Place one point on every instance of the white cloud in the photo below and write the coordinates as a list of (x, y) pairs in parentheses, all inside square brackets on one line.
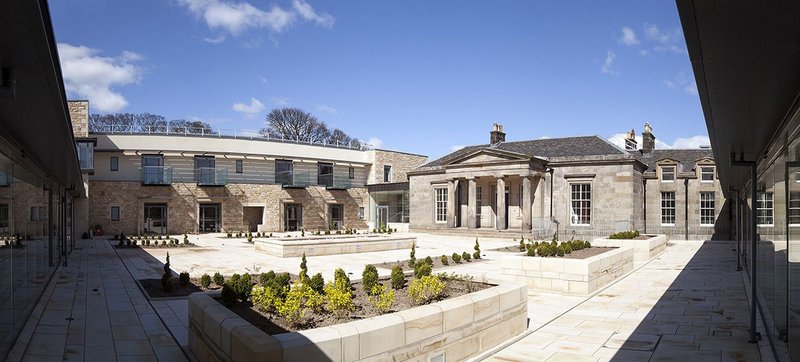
[(456, 148), (88, 75), (280, 100), (375, 142), (251, 109), (608, 64), (664, 41), (681, 81), (326, 109), (215, 40), (628, 37), (644, 52), (308, 13), (680, 142)]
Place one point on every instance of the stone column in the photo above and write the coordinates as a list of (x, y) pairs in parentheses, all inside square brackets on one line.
[(472, 205), (451, 203), (526, 203), (501, 203)]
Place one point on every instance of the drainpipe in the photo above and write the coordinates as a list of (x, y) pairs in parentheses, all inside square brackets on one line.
[(686, 208), (550, 171), (753, 226), (644, 203)]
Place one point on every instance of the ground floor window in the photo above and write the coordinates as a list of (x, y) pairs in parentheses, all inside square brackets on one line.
[(478, 202), (293, 217), (668, 208), (765, 209), (440, 204), (336, 217), (707, 208), (114, 213), (210, 217), (155, 218), (361, 212), (794, 208), (581, 204)]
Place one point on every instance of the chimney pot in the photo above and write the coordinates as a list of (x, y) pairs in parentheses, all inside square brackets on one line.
[(497, 135), (648, 139)]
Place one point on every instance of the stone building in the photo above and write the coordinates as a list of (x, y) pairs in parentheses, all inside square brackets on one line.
[(575, 186), (190, 182)]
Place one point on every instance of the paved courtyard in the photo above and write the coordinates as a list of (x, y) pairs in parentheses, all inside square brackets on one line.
[(687, 303)]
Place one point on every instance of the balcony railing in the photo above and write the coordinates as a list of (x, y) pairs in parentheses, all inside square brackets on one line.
[(156, 175), (292, 179), (211, 176), (339, 183)]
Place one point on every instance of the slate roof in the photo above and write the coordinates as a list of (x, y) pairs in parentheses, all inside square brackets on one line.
[(550, 148), (686, 157)]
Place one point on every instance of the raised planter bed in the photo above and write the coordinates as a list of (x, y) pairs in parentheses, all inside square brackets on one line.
[(568, 275), (332, 244), (645, 247), (456, 328)]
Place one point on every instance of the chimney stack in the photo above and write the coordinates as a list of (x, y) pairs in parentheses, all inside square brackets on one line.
[(497, 135), (630, 141), (648, 140)]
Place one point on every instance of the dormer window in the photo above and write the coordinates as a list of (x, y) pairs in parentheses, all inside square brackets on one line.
[(707, 173), (668, 173)]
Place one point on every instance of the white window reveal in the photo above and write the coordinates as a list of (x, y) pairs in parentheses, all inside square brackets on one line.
[(668, 173), (707, 211), (668, 208), (765, 208), (440, 204), (707, 174), (581, 204)]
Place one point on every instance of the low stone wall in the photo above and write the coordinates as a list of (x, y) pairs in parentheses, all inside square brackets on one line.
[(569, 276), (457, 328), (643, 250), (332, 244)]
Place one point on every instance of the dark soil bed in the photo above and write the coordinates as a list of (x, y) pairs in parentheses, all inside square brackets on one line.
[(644, 237), (274, 324), (437, 263), (508, 249), (154, 290), (587, 253)]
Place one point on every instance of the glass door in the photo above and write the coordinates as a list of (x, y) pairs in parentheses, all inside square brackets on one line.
[(155, 218), (210, 217), (382, 216), (293, 217), (336, 217)]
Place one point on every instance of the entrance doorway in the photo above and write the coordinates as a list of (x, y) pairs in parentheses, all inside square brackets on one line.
[(252, 216), (155, 218), (336, 217), (293, 217), (210, 218), (382, 216)]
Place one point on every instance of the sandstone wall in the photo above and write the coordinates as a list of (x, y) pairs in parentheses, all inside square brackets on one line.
[(401, 164), (79, 115)]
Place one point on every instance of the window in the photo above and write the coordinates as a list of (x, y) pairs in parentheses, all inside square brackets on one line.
[(520, 200), (478, 202), (5, 179), (283, 172), (114, 163), (764, 209), (239, 166), (351, 173), (581, 203), (707, 208), (37, 213), (114, 213), (440, 204), (86, 154), (668, 208), (707, 174), (361, 213), (325, 174), (667, 173), (387, 173), (152, 169), (794, 208)]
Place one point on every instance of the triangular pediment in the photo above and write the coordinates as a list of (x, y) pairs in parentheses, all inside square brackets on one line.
[(488, 156)]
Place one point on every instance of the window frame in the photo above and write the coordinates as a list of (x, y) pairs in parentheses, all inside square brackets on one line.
[(440, 198), (478, 202), (674, 172), (119, 211), (702, 173), (771, 210), (388, 176), (113, 163), (85, 147), (325, 179), (37, 213), (289, 176), (351, 172), (239, 166), (667, 207), (582, 202), (703, 206), (795, 208)]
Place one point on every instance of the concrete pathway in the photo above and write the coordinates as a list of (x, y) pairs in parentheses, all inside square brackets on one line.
[(96, 312), (686, 305)]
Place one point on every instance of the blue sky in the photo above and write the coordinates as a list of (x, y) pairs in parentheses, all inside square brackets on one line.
[(417, 76)]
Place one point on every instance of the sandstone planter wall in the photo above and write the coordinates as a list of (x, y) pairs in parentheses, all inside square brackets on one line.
[(328, 245), (458, 328), (569, 276), (643, 250)]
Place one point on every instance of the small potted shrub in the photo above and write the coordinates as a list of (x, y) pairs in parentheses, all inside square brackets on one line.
[(456, 258), (444, 260), (465, 255), (205, 281), (183, 279), (398, 277)]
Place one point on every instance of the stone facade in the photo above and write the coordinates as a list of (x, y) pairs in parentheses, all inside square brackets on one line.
[(79, 114), (183, 199), (401, 163)]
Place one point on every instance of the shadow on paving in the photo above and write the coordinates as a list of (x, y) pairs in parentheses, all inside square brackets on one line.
[(702, 316)]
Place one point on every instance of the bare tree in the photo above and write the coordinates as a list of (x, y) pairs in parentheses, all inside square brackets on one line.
[(298, 125), (145, 123), (190, 127)]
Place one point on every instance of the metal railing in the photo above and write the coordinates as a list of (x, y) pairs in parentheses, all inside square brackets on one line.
[(295, 179), (156, 175), (211, 176), (219, 133)]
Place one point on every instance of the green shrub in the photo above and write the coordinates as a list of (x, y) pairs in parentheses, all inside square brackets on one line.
[(205, 281), (428, 260), (280, 283), (531, 252), (303, 268), (412, 260), (183, 279), (426, 289), (522, 245), (249, 237), (381, 298), (477, 247), (456, 258), (264, 298), (422, 269), (398, 277), (218, 279), (633, 234), (339, 274), (369, 277), (265, 278), (166, 278), (317, 283), (339, 298), (465, 255), (228, 296), (444, 260)]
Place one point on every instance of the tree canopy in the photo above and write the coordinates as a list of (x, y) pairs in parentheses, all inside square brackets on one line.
[(298, 125), (145, 123)]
